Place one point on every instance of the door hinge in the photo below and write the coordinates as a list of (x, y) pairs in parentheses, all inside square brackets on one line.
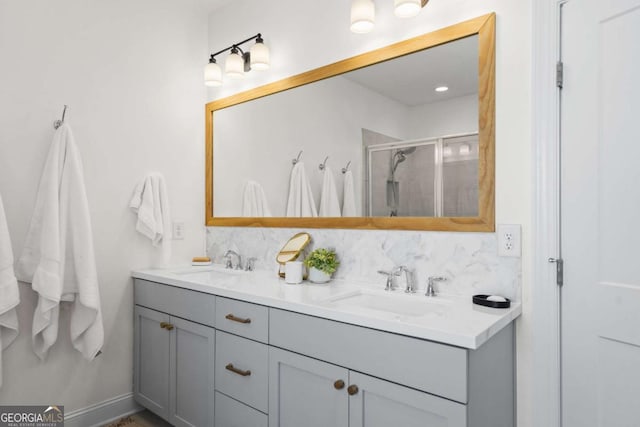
[(559, 74), (559, 262)]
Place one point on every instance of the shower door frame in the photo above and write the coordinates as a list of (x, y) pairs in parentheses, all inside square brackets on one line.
[(438, 182)]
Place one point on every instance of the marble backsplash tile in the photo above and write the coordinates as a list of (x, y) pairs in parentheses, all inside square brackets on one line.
[(469, 260)]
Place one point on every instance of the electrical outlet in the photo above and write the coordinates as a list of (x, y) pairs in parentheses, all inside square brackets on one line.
[(178, 230), (509, 240)]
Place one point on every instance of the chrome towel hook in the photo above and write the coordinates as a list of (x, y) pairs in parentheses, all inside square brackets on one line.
[(322, 165), (346, 168), (59, 123), (297, 159)]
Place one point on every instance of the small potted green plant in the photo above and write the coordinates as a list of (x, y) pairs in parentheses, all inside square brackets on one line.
[(322, 263)]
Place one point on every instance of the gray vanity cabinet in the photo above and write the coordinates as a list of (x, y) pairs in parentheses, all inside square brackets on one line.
[(306, 392), (174, 357), (151, 358)]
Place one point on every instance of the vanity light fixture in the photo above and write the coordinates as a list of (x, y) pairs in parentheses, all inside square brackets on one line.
[(408, 8), (238, 62), (363, 12), (442, 89), (363, 16)]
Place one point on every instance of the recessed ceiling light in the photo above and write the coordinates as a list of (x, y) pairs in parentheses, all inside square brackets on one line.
[(442, 89)]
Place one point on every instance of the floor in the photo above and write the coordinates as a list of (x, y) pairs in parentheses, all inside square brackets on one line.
[(140, 419)]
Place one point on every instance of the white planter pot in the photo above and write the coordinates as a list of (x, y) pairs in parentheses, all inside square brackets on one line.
[(318, 276)]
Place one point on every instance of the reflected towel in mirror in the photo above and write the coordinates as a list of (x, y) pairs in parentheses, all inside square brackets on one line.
[(9, 294), (329, 204), (300, 201), (349, 195), (254, 201)]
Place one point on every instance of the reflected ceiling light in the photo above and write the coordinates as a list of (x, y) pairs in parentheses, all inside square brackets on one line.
[(363, 16), (238, 62), (465, 149), (442, 89), (447, 151), (408, 8)]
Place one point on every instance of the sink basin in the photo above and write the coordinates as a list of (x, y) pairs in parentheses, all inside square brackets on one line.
[(384, 303), (209, 274)]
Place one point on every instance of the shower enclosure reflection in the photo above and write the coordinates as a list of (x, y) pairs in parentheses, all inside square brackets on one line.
[(428, 177)]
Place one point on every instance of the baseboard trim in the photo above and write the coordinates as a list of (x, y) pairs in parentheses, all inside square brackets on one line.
[(102, 413)]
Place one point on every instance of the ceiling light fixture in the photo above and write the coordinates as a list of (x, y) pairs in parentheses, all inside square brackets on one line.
[(442, 89), (363, 16), (408, 8), (238, 62)]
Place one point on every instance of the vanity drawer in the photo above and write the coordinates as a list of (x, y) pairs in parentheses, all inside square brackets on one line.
[(243, 318), (231, 413), (424, 365), (242, 370), (192, 305)]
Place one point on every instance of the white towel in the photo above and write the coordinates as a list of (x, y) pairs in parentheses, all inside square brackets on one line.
[(349, 196), (151, 203), (9, 294), (329, 204), (254, 201), (300, 202), (58, 258)]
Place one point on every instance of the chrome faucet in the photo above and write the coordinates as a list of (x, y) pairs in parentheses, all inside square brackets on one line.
[(229, 263), (431, 291), (389, 286), (248, 264), (408, 277)]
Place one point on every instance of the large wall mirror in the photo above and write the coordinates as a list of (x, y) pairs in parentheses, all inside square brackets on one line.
[(397, 138)]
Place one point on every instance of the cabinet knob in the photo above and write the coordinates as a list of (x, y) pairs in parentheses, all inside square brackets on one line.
[(166, 325), (237, 319), (338, 385), (352, 389)]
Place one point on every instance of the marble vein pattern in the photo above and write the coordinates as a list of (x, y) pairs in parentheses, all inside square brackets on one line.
[(469, 261)]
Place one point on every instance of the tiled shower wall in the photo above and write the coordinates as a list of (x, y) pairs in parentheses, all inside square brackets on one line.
[(469, 260)]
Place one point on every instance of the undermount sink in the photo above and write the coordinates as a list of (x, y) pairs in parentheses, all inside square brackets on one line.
[(208, 273), (398, 304)]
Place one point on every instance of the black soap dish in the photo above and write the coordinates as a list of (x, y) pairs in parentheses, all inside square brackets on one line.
[(485, 301)]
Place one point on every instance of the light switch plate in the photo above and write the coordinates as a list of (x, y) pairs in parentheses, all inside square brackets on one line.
[(509, 240), (178, 230)]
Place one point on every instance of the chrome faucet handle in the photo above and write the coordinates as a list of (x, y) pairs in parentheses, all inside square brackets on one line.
[(248, 266), (389, 286), (431, 291)]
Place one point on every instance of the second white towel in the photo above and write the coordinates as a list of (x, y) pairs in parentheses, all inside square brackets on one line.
[(349, 196), (9, 294), (254, 201), (329, 204)]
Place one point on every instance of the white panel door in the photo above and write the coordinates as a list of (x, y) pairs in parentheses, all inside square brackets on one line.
[(600, 213)]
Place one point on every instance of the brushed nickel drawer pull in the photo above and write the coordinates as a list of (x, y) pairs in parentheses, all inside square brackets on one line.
[(166, 325), (230, 367), (237, 319)]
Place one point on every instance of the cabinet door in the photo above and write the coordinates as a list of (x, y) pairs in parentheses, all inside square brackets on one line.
[(302, 392), (151, 360), (379, 403), (191, 373)]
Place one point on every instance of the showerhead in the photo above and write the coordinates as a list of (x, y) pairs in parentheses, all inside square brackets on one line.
[(400, 156), (408, 150)]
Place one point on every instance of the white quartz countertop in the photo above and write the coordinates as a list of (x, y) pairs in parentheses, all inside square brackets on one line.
[(447, 319)]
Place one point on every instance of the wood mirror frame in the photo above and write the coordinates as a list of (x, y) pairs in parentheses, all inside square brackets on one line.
[(484, 27)]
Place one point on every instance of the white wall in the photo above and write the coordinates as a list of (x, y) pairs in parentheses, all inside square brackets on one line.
[(131, 72), (452, 116), (305, 35)]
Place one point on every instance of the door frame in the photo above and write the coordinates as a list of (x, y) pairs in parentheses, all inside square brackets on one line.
[(546, 308)]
